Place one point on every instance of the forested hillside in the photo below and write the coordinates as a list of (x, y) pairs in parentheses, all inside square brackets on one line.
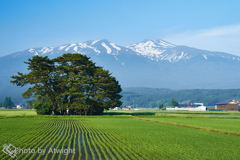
[(152, 97), (142, 97)]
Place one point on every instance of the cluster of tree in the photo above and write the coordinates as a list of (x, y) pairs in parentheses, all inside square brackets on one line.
[(71, 83), (7, 103), (172, 103)]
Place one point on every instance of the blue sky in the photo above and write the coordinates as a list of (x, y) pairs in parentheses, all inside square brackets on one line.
[(206, 24)]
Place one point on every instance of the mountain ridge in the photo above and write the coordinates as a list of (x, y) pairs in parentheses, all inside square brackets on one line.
[(177, 67), (158, 50)]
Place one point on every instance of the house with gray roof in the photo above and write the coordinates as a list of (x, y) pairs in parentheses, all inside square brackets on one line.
[(228, 105)]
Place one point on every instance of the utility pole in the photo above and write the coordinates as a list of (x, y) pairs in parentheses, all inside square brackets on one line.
[(133, 103)]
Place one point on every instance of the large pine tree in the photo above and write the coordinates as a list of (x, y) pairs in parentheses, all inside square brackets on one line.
[(71, 83)]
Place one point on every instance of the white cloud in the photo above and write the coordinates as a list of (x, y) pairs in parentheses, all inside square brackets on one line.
[(223, 39)]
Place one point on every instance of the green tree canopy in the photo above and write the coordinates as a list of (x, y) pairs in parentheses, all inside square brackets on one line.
[(43, 108), (161, 106), (173, 102), (71, 83)]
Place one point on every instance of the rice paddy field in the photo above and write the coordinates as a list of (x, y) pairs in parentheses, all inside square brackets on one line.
[(130, 135), (14, 112)]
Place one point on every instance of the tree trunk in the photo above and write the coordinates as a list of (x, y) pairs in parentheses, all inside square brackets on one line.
[(91, 110), (69, 101)]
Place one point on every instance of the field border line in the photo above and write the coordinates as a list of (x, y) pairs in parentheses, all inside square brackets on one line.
[(192, 127)]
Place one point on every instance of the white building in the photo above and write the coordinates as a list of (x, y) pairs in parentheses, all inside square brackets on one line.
[(199, 108), (20, 107)]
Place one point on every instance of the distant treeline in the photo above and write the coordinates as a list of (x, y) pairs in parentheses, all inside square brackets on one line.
[(144, 96), (152, 97), (7, 103), (9, 90)]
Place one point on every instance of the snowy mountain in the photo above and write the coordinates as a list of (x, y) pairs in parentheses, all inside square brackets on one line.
[(150, 63), (150, 48), (97, 46), (156, 50), (161, 50)]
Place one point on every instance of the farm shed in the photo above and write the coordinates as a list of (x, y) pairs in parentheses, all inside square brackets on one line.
[(126, 108), (228, 105), (20, 107)]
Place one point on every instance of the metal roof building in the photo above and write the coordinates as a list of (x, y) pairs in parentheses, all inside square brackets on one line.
[(228, 105)]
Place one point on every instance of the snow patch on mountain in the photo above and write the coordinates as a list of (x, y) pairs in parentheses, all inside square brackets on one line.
[(174, 57), (17, 54), (165, 44), (107, 48), (95, 50), (182, 55), (151, 46), (46, 50), (31, 50), (76, 49), (114, 46), (147, 48), (61, 47), (73, 44), (94, 42), (205, 56), (158, 50)]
